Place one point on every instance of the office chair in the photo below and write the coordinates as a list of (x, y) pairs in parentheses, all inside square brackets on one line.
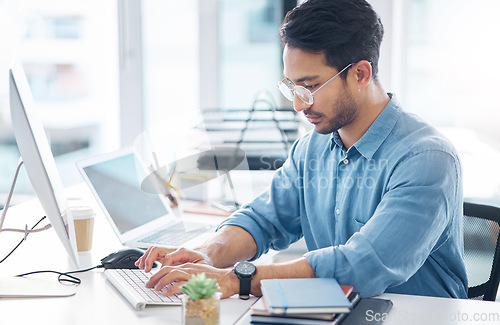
[(482, 250)]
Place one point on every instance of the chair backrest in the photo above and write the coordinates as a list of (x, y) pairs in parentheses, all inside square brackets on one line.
[(482, 250)]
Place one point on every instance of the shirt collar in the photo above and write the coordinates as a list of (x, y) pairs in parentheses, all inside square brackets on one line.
[(378, 131), (336, 141)]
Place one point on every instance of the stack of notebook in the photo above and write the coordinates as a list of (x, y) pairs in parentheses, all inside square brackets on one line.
[(312, 301)]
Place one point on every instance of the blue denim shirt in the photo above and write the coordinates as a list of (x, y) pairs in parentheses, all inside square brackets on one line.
[(383, 216)]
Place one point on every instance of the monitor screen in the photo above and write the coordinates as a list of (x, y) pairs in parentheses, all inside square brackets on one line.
[(38, 159)]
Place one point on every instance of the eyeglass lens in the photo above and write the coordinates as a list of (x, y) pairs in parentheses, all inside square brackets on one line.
[(304, 94), (286, 90)]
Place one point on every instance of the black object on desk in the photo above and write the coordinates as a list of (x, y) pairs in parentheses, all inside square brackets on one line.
[(367, 311), (123, 259)]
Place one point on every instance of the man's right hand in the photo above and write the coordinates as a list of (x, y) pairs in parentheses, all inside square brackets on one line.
[(170, 257), (230, 244)]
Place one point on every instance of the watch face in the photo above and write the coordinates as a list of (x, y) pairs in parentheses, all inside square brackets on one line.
[(245, 268)]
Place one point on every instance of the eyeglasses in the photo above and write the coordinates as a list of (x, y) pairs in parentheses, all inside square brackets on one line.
[(289, 89)]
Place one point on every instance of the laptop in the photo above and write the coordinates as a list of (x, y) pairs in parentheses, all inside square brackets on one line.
[(140, 219)]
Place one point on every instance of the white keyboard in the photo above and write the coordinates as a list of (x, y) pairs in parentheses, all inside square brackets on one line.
[(131, 284)]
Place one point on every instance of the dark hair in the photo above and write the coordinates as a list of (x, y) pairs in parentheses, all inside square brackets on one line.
[(347, 31)]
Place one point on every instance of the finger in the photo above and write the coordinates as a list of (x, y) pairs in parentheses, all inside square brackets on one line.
[(151, 257), (176, 275), (156, 277), (163, 273), (148, 258), (181, 256), (173, 288), (140, 261), (156, 254)]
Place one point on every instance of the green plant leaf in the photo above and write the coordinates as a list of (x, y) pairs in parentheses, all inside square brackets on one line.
[(199, 286)]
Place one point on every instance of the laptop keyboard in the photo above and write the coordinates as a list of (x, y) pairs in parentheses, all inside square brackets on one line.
[(177, 234), (137, 280)]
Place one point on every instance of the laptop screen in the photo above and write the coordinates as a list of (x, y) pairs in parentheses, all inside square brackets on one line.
[(116, 182)]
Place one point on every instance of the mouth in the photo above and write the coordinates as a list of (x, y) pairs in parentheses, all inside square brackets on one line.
[(313, 118)]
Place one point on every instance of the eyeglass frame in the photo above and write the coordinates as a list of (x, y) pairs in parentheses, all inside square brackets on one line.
[(292, 90)]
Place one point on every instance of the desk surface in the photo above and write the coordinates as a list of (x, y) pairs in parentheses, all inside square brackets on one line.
[(97, 301), (411, 310)]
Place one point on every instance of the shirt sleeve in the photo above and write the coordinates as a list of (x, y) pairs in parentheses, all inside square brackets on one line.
[(423, 194), (273, 217)]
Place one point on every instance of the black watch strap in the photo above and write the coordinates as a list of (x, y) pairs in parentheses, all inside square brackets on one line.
[(245, 284), (245, 272)]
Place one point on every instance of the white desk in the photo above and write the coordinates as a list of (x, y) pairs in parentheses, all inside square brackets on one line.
[(440, 311), (97, 302)]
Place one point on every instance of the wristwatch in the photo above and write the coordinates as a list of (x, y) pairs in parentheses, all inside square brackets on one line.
[(245, 272)]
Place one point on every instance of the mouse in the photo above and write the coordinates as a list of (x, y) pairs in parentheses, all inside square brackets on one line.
[(123, 259)]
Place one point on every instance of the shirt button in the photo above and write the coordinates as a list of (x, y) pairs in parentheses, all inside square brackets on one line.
[(337, 211), (346, 161)]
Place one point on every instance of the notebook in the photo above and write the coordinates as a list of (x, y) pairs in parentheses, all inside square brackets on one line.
[(260, 313), (303, 296), (138, 218)]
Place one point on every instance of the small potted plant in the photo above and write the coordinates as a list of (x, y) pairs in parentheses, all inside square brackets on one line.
[(200, 302)]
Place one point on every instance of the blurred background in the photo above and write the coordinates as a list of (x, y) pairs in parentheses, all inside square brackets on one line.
[(103, 72)]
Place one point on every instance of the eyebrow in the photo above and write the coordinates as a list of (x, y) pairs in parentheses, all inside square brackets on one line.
[(306, 78)]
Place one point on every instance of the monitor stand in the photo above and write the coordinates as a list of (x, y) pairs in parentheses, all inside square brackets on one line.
[(19, 287)]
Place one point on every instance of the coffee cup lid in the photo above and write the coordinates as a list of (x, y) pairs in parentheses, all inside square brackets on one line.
[(82, 212)]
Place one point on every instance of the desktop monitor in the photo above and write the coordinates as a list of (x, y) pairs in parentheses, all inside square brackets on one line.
[(38, 159)]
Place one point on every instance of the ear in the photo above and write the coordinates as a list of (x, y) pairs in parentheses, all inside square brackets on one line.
[(363, 73)]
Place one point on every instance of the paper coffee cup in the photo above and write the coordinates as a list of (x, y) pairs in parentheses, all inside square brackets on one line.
[(83, 217)]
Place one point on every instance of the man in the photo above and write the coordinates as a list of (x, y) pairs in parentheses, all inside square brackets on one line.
[(374, 190)]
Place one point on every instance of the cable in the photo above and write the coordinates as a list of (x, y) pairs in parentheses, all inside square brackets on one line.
[(22, 240), (69, 278), (7, 205), (11, 192)]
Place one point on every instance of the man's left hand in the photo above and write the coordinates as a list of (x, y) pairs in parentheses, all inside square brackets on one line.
[(180, 274)]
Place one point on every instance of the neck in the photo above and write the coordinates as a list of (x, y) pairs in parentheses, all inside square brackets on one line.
[(370, 101)]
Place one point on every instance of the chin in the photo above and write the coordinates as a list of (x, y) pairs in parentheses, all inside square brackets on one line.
[(324, 130)]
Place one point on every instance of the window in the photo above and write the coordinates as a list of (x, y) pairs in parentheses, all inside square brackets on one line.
[(170, 46), (249, 51), (449, 81), (206, 54), (68, 49), (194, 55)]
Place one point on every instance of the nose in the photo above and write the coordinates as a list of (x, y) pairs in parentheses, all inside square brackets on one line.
[(299, 105)]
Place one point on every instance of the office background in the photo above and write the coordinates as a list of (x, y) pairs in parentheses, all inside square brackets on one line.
[(102, 72)]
